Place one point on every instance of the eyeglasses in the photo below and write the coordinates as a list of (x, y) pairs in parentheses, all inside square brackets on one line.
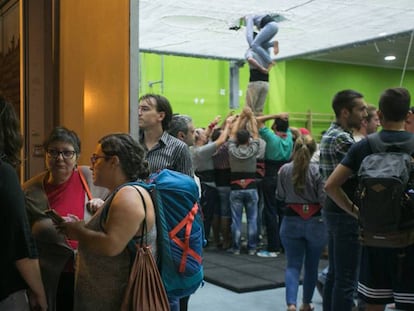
[(95, 157), (66, 154)]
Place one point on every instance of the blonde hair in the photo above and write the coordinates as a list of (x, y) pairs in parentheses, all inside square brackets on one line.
[(305, 147)]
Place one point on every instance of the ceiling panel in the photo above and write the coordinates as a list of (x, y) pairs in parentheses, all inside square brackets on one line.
[(330, 30)]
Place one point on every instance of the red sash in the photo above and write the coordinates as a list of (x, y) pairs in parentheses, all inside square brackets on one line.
[(305, 211), (243, 183)]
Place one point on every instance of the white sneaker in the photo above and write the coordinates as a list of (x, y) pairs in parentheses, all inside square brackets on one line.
[(264, 253), (252, 252)]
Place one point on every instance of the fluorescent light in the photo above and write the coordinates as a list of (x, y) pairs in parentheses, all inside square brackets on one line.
[(390, 58)]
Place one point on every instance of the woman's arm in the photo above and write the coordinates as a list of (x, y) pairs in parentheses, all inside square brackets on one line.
[(30, 271), (124, 220)]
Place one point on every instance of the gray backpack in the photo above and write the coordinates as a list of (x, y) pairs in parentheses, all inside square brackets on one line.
[(384, 184)]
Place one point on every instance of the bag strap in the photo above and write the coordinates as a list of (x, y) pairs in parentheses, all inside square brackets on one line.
[(132, 244), (85, 184), (144, 222), (378, 145), (186, 223)]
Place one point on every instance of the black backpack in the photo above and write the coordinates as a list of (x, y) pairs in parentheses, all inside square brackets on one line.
[(384, 185)]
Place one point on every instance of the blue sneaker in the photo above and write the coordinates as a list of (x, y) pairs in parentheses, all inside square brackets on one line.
[(267, 254)]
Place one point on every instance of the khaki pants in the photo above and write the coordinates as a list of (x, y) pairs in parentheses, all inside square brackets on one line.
[(256, 95)]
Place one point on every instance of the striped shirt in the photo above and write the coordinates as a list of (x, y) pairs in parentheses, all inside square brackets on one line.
[(334, 145), (170, 153)]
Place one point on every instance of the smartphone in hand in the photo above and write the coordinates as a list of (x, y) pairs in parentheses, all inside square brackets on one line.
[(56, 218)]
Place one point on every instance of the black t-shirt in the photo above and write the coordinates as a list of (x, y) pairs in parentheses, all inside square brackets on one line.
[(361, 149), (16, 241)]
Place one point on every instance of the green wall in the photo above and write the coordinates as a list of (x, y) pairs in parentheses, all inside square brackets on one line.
[(193, 86)]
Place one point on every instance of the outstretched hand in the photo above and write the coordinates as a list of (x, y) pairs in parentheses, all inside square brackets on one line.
[(94, 204)]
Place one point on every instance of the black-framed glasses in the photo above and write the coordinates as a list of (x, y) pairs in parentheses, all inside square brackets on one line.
[(66, 154), (95, 157)]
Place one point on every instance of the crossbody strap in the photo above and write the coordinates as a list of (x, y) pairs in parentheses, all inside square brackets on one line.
[(85, 184)]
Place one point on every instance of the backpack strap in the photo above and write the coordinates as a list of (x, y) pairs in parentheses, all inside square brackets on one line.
[(187, 222), (378, 145), (85, 184)]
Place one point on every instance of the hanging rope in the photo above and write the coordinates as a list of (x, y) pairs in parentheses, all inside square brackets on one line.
[(406, 58)]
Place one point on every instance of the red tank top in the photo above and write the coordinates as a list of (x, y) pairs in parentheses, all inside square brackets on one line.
[(67, 198)]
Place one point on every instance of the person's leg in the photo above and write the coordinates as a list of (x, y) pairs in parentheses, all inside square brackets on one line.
[(174, 303), (280, 211), (251, 201), (65, 291), (320, 283), (184, 303), (252, 95), (236, 207), (265, 35), (207, 202), (291, 233), (262, 91), (316, 236), (343, 261), (330, 273), (259, 183), (225, 216), (270, 215)]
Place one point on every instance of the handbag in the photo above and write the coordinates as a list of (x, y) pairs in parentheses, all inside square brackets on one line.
[(145, 290)]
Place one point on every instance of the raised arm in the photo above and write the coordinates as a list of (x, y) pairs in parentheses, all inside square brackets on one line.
[(235, 126), (224, 132), (209, 130), (262, 119)]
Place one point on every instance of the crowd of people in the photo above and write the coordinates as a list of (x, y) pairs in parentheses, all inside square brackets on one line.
[(241, 166)]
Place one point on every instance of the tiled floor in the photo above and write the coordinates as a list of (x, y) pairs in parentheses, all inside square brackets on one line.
[(214, 298)]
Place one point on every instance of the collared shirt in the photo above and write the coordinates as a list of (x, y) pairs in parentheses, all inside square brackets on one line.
[(277, 148), (334, 145), (170, 153)]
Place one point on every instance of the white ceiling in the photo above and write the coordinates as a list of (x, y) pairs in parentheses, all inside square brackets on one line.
[(334, 30)]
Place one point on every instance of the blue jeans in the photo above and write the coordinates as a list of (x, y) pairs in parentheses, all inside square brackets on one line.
[(262, 39), (344, 252), (247, 198), (224, 196), (174, 303), (304, 241)]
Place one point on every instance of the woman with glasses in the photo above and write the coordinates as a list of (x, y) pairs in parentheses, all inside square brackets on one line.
[(67, 189), (103, 263)]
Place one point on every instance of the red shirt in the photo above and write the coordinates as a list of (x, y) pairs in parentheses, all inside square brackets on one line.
[(67, 198)]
